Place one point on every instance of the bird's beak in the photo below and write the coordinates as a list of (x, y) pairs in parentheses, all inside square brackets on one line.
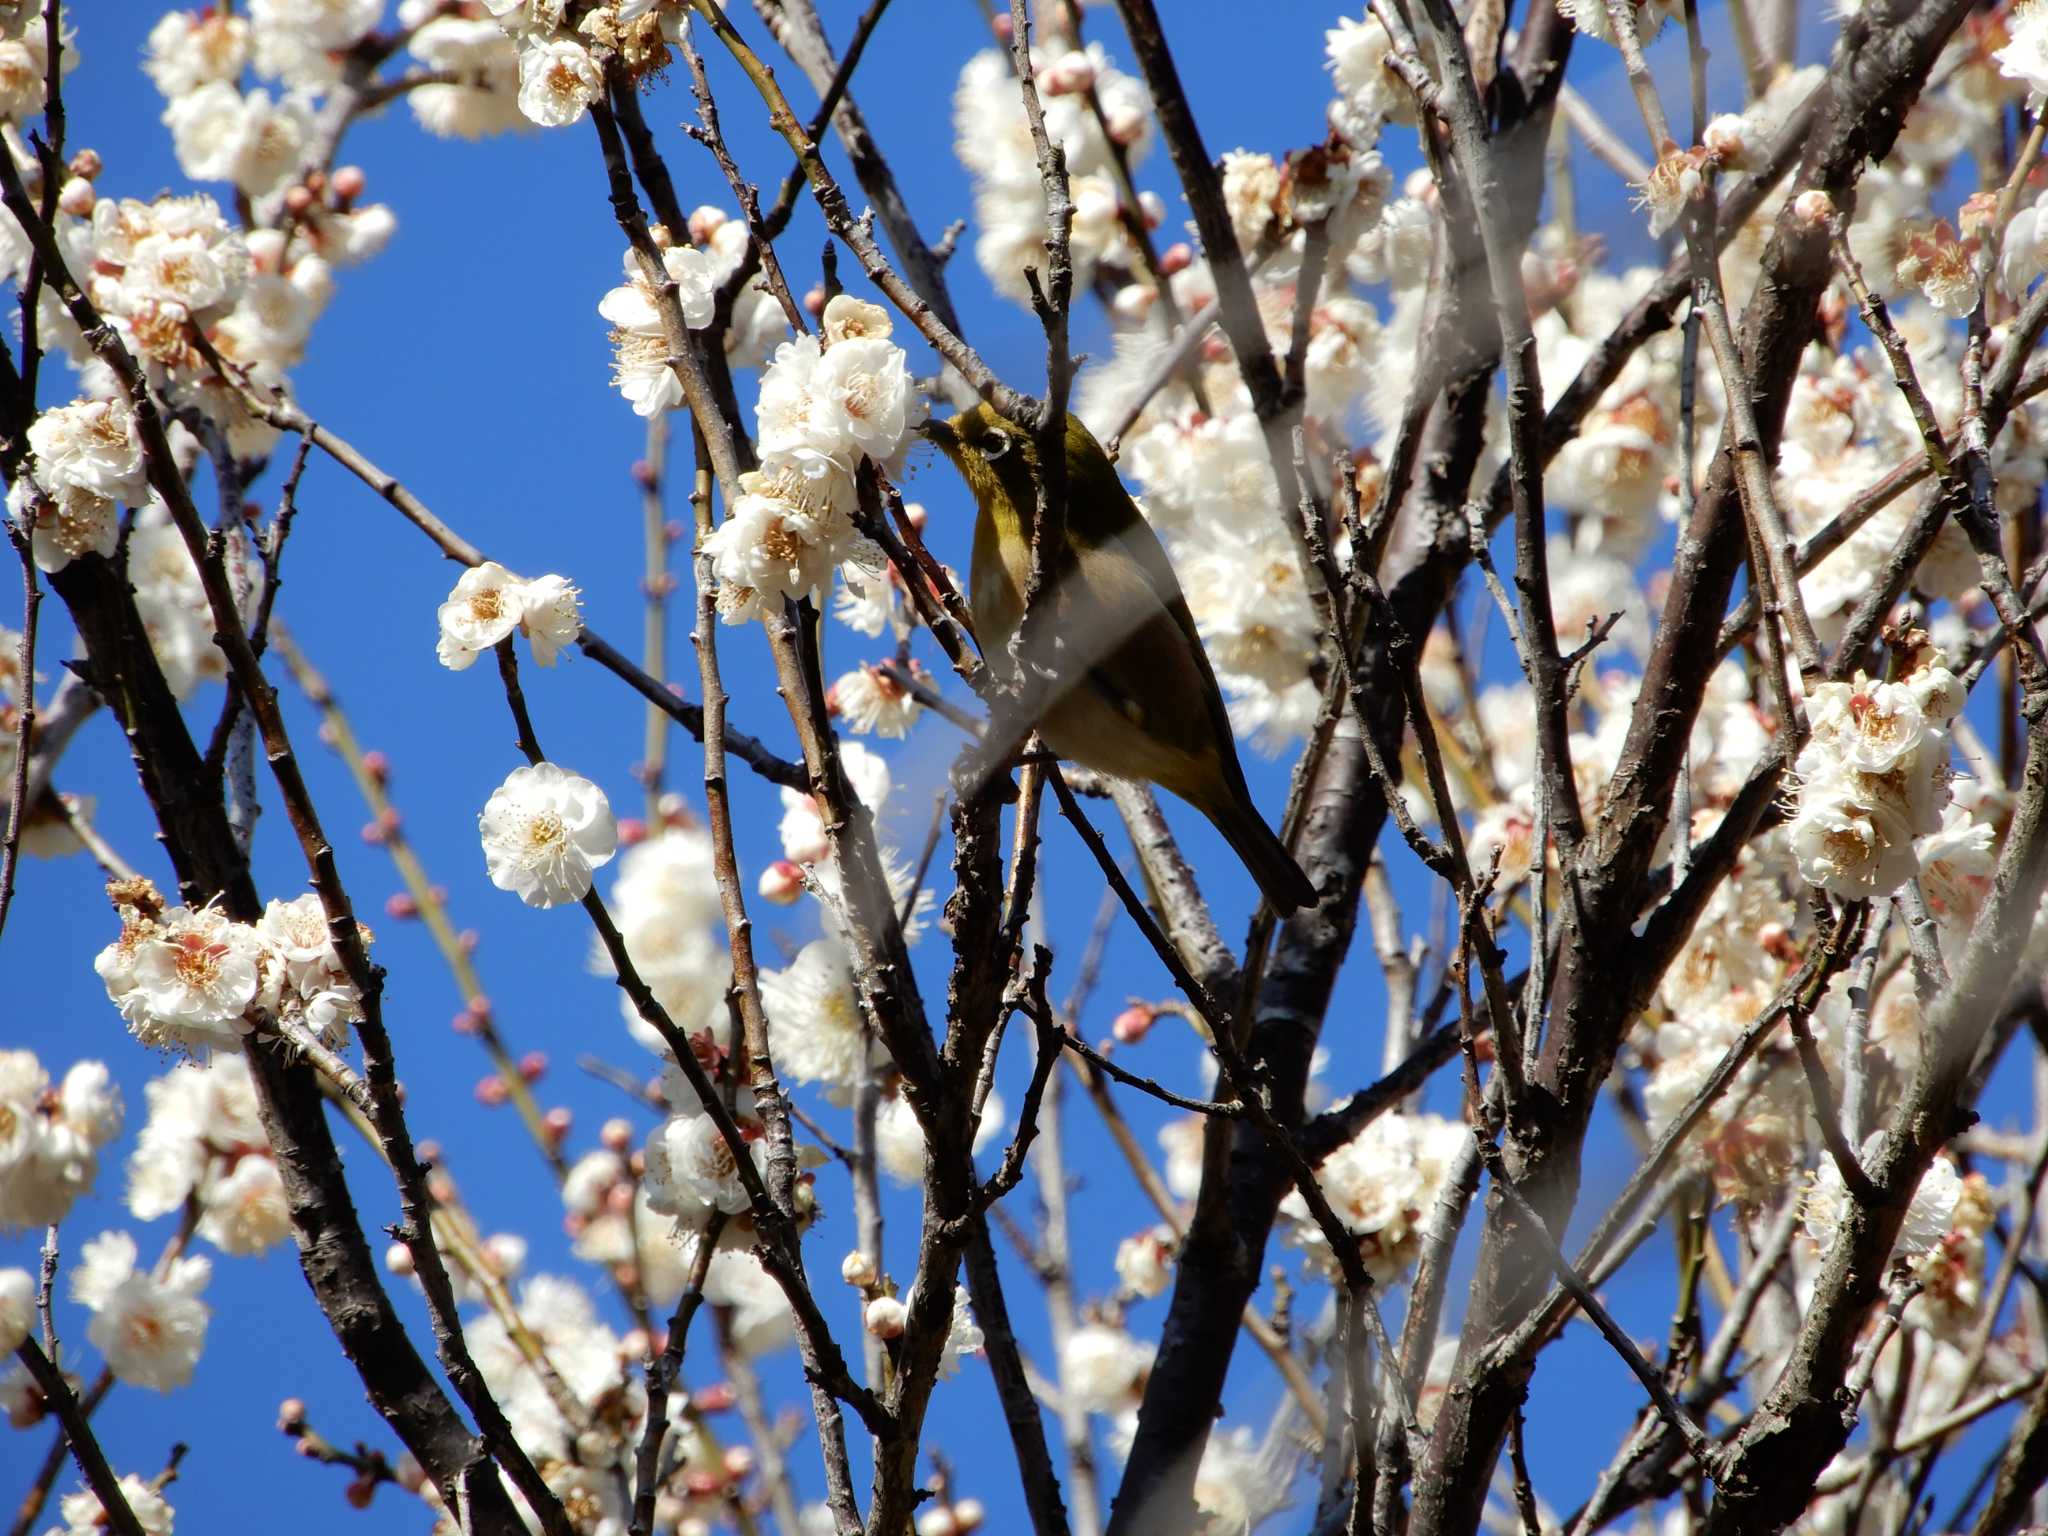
[(939, 435)]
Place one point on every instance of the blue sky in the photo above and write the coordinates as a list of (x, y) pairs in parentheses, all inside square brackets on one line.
[(469, 360)]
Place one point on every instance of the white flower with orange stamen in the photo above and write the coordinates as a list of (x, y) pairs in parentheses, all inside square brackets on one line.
[(544, 831)]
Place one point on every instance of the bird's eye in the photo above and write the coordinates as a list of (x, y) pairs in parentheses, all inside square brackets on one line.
[(998, 444)]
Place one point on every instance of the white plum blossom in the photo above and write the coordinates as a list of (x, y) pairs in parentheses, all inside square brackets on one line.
[(1103, 1369), (2025, 55), (205, 1141), (84, 1515), (150, 1329), (17, 1308), (184, 978), (66, 524), (1928, 1217), (1144, 1262), (691, 1168), (50, 1139), (1873, 777), (222, 135), (869, 700), (90, 445), (188, 49), (666, 905), (483, 609), (558, 81), (640, 350), (544, 831), (1381, 1184), (783, 538), (814, 1019), (488, 603)]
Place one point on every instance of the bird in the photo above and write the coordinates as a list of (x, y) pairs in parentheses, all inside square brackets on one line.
[(1132, 693)]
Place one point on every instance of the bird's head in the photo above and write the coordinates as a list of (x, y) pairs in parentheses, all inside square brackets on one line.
[(993, 454)]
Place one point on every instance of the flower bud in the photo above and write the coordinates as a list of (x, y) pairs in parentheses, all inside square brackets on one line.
[(397, 1259), (348, 184), (491, 1092), (967, 1514), (739, 1461), (399, 906), (533, 1065), (1813, 206), (1133, 302), (1152, 208), (1071, 71), (885, 1317), (557, 1122), (291, 1415), (86, 164), (298, 201), (716, 1398), (77, 198), (706, 222), (616, 1134), (1133, 1024), (858, 1269), (781, 883), (814, 301)]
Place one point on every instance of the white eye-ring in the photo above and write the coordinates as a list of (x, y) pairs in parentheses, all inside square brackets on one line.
[(999, 444)]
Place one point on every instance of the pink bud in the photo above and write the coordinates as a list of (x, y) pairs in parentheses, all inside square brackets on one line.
[(532, 1065), (557, 1122), (716, 1398), (469, 938), (298, 201), (619, 1199), (706, 222), (781, 883), (814, 301), (377, 765), (703, 1483), (739, 1461), (616, 1134), (399, 905), (491, 1092), (1177, 257), (373, 834), (1000, 24), (644, 475), (429, 1151), (291, 1414), (632, 830), (348, 184), (1133, 1024)]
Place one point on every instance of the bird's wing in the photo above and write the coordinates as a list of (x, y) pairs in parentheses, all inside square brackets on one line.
[(1127, 588)]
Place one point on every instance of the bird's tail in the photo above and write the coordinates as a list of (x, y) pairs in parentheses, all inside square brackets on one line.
[(1287, 888)]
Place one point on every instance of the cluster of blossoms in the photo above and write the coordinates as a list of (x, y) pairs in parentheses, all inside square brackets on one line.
[(1381, 1184), (1874, 776), (1094, 112), (194, 980), (827, 401), (204, 1143), (84, 1515), (665, 902), (149, 1324), (489, 603), (563, 48), (719, 247), (50, 1137)]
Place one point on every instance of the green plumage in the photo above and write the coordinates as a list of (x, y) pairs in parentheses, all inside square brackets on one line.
[(1136, 698)]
